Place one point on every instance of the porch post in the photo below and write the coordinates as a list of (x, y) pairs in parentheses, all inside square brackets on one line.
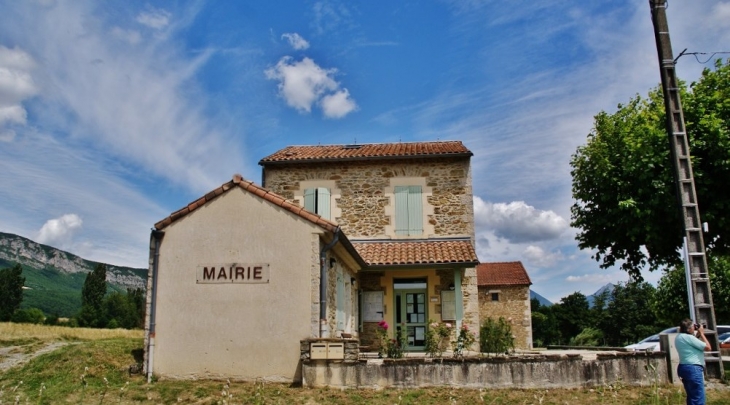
[(458, 298)]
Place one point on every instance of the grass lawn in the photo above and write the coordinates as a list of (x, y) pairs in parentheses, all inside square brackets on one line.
[(91, 367)]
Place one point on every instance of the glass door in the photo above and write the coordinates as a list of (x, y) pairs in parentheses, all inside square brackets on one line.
[(411, 311)]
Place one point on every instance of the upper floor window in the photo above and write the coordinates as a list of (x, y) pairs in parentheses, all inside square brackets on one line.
[(408, 210), (317, 200)]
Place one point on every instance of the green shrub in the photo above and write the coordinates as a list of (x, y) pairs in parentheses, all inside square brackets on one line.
[(51, 320), (496, 337), (464, 340), (436, 338), (30, 315), (588, 337)]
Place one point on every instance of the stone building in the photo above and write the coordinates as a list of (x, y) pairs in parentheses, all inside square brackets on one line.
[(504, 292), (407, 208), (336, 239)]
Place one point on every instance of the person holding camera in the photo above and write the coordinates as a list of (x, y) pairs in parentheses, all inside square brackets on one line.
[(691, 344)]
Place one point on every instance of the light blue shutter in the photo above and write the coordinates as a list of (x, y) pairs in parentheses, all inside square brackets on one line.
[(401, 210), (323, 202), (310, 199), (340, 300), (415, 211)]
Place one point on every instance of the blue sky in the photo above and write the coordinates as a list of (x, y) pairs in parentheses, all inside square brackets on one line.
[(114, 114)]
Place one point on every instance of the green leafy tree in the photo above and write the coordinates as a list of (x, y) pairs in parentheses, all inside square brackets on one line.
[(671, 304), (120, 311), (629, 316), (545, 329), (92, 298), (572, 315), (623, 182), (137, 298), (11, 291), (599, 311)]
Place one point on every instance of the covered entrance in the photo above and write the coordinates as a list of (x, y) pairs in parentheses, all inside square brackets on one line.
[(411, 311)]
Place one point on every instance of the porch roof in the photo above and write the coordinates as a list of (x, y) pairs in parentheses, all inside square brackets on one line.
[(414, 253)]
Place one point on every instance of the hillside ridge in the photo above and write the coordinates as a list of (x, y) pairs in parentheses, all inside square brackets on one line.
[(17, 249)]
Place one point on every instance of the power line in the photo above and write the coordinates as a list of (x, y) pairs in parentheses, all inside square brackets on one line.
[(712, 55)]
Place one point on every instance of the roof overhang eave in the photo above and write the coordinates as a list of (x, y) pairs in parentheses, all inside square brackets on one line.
[(418, 266), (360, 159)]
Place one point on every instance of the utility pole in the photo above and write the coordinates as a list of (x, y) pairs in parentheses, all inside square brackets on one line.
[(700, 296)]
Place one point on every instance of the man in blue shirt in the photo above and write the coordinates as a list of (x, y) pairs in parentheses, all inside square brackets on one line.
[(691, 344)]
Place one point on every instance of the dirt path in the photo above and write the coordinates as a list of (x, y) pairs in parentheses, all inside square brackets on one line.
[(12, 356)]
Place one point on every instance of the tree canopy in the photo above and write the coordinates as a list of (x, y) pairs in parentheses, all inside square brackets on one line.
[(11, 291), (670, 302), (92, 298), (623, 183)]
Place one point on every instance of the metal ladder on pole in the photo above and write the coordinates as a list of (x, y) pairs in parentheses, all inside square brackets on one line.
[(700, 295)]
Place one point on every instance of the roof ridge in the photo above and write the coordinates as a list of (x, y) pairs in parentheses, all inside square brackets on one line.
[(368, 151), (252, 188)]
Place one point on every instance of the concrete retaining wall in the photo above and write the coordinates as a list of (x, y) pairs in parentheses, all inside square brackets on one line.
[(546, 371)]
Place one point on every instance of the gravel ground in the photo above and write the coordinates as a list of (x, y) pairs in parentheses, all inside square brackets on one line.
[(12, 356)]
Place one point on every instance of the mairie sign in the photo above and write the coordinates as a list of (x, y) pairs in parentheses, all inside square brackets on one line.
[(233, 273)]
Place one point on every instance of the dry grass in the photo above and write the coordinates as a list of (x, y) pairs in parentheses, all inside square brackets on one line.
[(95, 371), (15, 333)]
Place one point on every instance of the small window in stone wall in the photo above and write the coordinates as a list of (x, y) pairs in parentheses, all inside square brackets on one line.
[(495, 296)]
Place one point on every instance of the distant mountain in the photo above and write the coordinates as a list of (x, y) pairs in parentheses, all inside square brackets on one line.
[(608, 289), (54, 278), (542, 300)]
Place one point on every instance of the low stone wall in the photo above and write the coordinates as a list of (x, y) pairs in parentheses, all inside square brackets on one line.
[(541, 371)]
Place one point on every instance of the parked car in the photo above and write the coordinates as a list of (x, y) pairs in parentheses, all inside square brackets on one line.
[(670, 330), (649, 344), (724, 340), (721, 329)]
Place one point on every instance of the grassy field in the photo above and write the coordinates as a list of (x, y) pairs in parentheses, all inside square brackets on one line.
[(90, 366)]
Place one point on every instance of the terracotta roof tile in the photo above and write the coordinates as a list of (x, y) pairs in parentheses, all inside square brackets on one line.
[(255, 190), (502, 273), (416, 253), (292, 154)]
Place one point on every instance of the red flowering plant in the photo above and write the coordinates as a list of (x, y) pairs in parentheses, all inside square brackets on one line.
[(464, 340), (437, 335), (382, 333), (392, 348)]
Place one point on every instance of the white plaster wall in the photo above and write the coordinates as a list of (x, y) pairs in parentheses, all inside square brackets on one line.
[(238, 331)]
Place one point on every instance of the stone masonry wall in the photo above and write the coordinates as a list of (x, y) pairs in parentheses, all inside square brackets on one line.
[(468, 292), (513, 306), (368, 336), (543, 372), (362, 185)]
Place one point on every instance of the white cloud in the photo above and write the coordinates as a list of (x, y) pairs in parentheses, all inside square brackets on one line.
[(107, 115), (140, 103), (59, 232), (518, 222), (14, 114), (296, 41), (338, 105), (154, 18), (303, 83), (16, 86), (537, 256)]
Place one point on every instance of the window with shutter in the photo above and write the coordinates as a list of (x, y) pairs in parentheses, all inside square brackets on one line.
[(317, 200), (340, 300), (408, 211)]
